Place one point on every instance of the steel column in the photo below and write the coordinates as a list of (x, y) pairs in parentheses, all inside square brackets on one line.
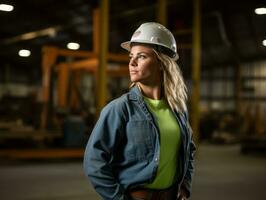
[(49, 59), (101, 72), (162, 12)]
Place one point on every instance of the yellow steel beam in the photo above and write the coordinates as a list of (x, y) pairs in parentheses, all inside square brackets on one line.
[(101, 73), (73, 53), (162, 12), (48, 61), (62, 85), (89, 65)]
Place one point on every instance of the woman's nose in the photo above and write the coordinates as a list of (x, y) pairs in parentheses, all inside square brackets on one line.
[(133, 62)]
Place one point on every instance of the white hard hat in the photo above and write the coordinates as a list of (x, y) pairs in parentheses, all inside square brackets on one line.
[(155, 34)]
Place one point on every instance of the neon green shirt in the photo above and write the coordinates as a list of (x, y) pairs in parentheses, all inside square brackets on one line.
[(169, 143)]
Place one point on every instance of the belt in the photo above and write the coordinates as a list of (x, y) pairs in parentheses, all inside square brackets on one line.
[(151, 194)]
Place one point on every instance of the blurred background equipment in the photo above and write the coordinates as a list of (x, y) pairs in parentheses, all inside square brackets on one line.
[(58, 60)]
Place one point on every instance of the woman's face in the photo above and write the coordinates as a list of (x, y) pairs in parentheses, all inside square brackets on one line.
[(144, 66)]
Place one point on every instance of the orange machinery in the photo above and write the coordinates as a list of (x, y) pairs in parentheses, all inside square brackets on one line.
[(89, 62)]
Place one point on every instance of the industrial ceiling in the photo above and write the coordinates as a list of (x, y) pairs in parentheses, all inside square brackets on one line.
[(231, 31)]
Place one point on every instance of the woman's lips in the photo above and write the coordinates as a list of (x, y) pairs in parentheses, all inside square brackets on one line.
[(133, 72)]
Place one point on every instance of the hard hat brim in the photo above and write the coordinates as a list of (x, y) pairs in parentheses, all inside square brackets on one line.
[(126, 46)]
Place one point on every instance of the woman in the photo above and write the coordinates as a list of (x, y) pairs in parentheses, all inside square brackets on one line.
[(141, 146)]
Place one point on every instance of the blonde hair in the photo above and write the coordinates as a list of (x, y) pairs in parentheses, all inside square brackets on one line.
[(175, 90)]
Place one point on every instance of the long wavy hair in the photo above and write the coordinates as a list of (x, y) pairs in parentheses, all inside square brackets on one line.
[(174, 88)]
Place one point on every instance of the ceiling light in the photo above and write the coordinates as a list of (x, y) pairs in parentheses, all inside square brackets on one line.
[(24, 53), (264, 42), (73, 45), (5, 7), (260, 11)]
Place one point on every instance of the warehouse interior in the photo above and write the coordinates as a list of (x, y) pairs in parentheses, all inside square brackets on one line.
[(61, 62)]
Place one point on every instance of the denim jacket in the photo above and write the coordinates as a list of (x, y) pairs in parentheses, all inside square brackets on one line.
[(124, 146)]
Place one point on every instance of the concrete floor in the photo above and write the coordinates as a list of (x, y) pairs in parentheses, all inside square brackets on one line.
[(221, 174)]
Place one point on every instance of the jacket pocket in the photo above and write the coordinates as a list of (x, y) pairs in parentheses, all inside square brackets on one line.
[(140, 140)]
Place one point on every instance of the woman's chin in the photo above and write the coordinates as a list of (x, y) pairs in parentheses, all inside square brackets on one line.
[(134, 80)]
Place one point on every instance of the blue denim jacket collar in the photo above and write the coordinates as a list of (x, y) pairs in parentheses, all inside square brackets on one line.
[(135, 94)]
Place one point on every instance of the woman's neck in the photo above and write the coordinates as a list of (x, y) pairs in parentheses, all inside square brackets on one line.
[(152, 92)]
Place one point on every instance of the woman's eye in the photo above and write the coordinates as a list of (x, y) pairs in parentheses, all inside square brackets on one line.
[(137, 57), (141, 56)]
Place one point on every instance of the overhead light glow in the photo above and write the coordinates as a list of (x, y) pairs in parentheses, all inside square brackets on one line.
[(260, 11), (73, 45), (264, 42), (24, 53), (6, 7)]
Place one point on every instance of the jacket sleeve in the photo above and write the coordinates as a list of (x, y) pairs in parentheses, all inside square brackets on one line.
[(100, 151), (187, 182)]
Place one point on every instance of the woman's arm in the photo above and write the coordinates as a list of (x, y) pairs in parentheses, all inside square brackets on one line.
[(99, 154)]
